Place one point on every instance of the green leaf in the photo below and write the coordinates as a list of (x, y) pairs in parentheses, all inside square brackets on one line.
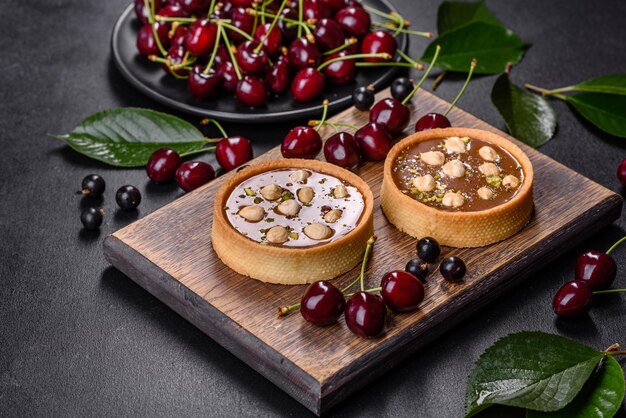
[(611, 84), (453, 14), (601, 397), (126, 137), (532, 370), (528, 117), (492, 45), (606, 111)]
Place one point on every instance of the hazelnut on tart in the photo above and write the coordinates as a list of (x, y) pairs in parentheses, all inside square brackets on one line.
[(292, 221), (464, 187)]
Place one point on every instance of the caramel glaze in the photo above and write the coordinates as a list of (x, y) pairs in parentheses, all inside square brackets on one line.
[(248, 193), (409, 165)]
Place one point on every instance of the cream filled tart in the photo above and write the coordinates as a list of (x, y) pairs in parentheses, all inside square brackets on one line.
[(464, 187), (292, 221)]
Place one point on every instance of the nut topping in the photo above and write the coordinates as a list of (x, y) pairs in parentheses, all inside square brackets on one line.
[(300, 176), (305, 195), (487, 153), (454, 168), (333, 215), (510, 182), (424, 183), (318, 231), (453, 199), (485, 193), (277, 234), (489, 169), (271, 192), (252, 213), (433, 157), (455, 145), (340, 192), (288, 208)]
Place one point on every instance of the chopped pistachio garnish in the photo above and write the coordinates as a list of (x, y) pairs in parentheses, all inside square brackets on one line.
[(257, 200), (286, 196), (249, 191), (293, 235), (269, 220), (494, 181)]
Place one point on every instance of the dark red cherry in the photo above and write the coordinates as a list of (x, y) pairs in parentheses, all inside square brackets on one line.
[(241, 20), (340, 72), (392, 114), (204, 86), (303, 54), (621, 172), (222, 55), (172, 11), (374, 141), (241, 3), (596, 268), (354, 21), (228, 75), (377, 42), (162, 165), (192, 174), (179, 36), (307, 85), (336, 5), (232, 152), (143, 13), (301, 142), (250, 61), (572, 300), (272, 42), (316, 9), (342, 149), (201, 37), (175, 56), (432, 121), (251, 91), (277, 78), (146, 44), (328, 35), (322, 303), (365, 314), (401, 291), (194, 6), (289, 32)]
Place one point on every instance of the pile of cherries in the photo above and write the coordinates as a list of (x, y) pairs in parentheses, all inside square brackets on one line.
[(93, 186), (365, 311), (256, 49)]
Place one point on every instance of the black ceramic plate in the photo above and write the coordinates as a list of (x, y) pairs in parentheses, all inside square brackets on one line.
[(152, 80)]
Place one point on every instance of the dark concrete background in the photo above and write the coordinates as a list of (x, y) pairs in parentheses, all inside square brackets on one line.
[(79, 338)]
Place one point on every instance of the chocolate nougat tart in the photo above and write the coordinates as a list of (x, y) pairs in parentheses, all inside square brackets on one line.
[(464, 187), (292, 221)]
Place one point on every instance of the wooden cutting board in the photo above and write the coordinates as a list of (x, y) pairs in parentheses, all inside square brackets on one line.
[(169, 254)]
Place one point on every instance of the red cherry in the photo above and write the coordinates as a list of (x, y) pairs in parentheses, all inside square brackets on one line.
[(203, 86), (596, 268), (572, 300), (401, 291), (273, 42), (250, 61), (175, 56), (322, 303), (193, 174), (241, 3), (307, 85), (194, 6), (289, 33), (162, 165), (392, 114), (227, 73), (232, 152), (251, 91), (340, 72), (277, 78), (172, 10), (241, 20), (354, 21), (365, 314), (432, 121), (303, 54), (146, 44), (336, 5), (342, 149), (374, 141), (301, 142), (377, 42), (328, 34), (179, 36), (316, 9), (143, 13), (201, 37), (621, 172)]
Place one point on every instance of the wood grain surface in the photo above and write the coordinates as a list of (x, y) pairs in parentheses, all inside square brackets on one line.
[(169, 254)]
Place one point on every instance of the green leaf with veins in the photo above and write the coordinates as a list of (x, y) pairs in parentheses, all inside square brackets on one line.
[(453, 14), (606, 111), (610, 84)]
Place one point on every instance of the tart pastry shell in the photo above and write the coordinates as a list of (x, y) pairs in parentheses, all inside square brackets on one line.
[(290, 265), (457, 228)]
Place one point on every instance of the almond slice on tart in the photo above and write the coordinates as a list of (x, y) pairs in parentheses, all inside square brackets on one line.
[(464, 187), (292, 221)]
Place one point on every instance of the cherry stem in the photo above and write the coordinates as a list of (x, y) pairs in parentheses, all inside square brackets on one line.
[(604, 292), (284, 310), (305, 25), (217, 44), (439, 80), (395, 17), (372, 290), (175, 19), (410, 60), (368, 249), (324, 114), (615, 353), (615, 245), (349, 42), (198, 151), (211, 8), (334, 125), (544, 92), (389, 64), (399, 28), (267, 34), (239, 31), (229, 48), (300, 13), (150, 8), (467, 80), (428, 70), (208, 121), (382, 55)]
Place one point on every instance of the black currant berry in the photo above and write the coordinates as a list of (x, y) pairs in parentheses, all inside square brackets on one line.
[(418, 268), (428, 249), (452, 269), (93, 185), (401, 88), (363, 98), (92, 218), (128, 197)]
